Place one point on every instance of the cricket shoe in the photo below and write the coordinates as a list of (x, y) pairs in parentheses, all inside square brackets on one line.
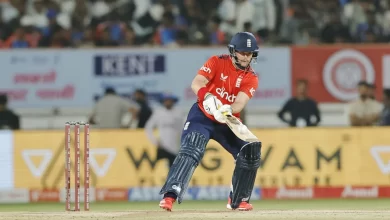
[(167, 203), (244, 206)]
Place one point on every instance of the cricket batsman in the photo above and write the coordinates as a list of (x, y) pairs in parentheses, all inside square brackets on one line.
[(223, 85)]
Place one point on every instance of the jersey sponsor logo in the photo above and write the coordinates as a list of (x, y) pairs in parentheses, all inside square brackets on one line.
[(223, 78), (248, 43), (205, 69), (238, 82), (177, 188), (225, 95), (186, 125), (252, 91)]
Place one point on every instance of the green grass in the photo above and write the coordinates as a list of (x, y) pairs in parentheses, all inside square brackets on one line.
[(326, 204)]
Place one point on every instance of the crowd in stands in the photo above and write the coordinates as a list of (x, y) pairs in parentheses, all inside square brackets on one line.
[(176, 23)]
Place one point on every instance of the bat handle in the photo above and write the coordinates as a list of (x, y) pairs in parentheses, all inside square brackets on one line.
[(227, 114)]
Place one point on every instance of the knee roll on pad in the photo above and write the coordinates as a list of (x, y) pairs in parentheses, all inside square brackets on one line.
[(193, 145), (244, 176), (190, 154)]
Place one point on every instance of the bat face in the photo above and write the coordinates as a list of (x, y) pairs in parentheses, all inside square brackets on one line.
[(235, 124)]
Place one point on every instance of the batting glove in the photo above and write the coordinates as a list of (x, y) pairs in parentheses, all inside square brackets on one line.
[(211, 104), (222, 112)]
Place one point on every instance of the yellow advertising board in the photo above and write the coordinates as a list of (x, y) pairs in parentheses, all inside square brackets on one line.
[(293, 157)]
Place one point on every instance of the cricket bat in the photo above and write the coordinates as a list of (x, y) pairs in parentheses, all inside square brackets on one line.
[(236, 126)]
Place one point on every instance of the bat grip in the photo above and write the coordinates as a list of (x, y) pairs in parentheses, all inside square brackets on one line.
[(227, 114)]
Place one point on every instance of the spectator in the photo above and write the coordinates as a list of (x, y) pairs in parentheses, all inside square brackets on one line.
[(295, 17), (113, 29), (386, 18), (319, 12), (248, 28), (52, 35), (385, 116), (32, 35), (146, 18), (301, 108), (18, 39), (264, 19), (354, 15), (245, 13), (8, 119), (80, 19), (129, 38), (81, 13), (5, 29), (85, 40), (364, 111), (198, 33), (227, 13), (166, 33), (370, 31), (145, 111), (99, 10), (181, 38), (371, 91), (38, 15), (169, 122), (308, 36), (105, 40), (12, 10), (109, 110), (192, 22), (334, 31)]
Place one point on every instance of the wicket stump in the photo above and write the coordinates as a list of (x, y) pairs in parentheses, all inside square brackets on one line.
[(77, 162)]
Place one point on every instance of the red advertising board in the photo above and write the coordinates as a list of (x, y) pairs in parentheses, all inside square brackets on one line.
[(326, 192), (334, 71), (45, 195), (112, 194)]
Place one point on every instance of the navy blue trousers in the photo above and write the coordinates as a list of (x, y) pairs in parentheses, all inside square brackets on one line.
[(198, 121)]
